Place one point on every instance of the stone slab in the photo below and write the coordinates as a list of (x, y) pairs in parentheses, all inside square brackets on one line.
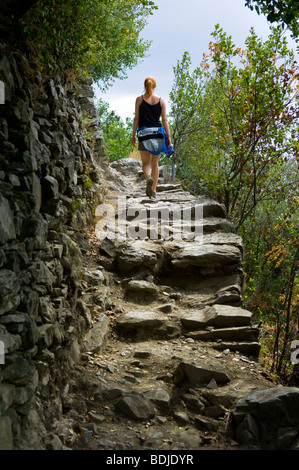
[(198, 375), (232, 334), (141, 319)]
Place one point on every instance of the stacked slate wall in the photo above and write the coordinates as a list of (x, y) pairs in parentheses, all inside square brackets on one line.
[(49, 187)]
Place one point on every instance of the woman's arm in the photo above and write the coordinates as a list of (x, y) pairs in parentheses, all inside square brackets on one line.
[(165, 122), (136, 120)]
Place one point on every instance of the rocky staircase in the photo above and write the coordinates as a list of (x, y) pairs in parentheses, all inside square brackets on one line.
[(170, 350), (181, 266)]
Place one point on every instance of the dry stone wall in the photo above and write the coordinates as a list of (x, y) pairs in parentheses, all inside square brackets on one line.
[(49, 187)]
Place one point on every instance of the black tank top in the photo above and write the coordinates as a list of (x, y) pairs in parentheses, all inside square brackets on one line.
[(149, 114)]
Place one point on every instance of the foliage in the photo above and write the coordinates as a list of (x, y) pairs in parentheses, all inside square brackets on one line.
[(117, 134), (242, 149), (97, 38), (284, 12), (187, 106), (273, 250), (246, 144)]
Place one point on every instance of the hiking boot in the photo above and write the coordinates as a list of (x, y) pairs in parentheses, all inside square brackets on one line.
[(149, 184)]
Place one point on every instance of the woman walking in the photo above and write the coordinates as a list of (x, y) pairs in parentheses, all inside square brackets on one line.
[(149, 110)]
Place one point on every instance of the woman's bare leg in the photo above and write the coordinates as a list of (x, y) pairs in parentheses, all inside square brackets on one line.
[(150, 168), (146, 163), (155, 170), (147, 170)]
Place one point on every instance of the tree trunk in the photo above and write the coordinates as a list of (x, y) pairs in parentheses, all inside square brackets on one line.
[(288, 308), (173, 172)]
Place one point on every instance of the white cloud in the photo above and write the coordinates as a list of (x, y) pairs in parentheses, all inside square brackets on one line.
[(123, 105)]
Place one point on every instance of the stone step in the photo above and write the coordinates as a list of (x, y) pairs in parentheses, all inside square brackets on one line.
[(173, 209), (139, 219), (231, 326), (212, 256), (200, 291), (218, 316), (250, 348), (243, 333), (207, 256), (197, 375), (168, 187), (157, 229)]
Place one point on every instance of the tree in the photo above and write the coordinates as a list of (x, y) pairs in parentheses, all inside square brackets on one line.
[(245, 153), (275, 296), (284, 12), (116, 133), (100, 39), (187, 106), (242, 152)]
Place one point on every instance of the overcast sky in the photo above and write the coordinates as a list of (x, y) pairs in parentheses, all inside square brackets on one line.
[(178, 26)]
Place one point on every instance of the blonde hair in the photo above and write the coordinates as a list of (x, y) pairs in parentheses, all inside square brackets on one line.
[(149, 85)]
